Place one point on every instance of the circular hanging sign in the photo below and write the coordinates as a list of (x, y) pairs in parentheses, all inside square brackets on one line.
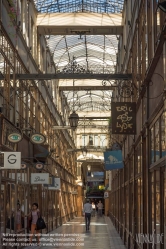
[(14, 137), (38, 138), (23, 166), (39, 165)]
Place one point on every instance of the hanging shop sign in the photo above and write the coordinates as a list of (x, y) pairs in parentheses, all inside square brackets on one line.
[(14, 137), (12, 160), (113, 160), (19, 177), (57, 183), (39, 165), (38, 138), (39, 178), (41, 152), (54, 184), (23, 166), (74, 192), (116, 146), (123, 115), (94, 179)]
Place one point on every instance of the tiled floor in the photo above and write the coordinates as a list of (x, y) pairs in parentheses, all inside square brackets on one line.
[(72, 235)]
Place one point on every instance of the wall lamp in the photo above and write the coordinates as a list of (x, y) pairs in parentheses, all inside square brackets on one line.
[(162, 6)]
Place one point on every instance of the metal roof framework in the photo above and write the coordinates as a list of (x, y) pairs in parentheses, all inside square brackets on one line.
[(96, 53)]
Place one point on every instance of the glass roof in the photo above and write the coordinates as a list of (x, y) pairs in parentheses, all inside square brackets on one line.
[(99, 101), (98, 6), (94, 53)]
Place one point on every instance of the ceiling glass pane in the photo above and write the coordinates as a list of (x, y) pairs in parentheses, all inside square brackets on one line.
[(97, 6)]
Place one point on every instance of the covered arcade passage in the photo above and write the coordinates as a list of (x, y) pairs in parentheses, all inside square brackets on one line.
[(62, 66)]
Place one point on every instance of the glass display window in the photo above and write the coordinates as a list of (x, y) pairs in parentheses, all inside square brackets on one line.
[(152, 145), (163, 140), (156, 141)]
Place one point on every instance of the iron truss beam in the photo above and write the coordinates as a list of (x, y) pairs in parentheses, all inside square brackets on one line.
[(86, 88), (69, 76)]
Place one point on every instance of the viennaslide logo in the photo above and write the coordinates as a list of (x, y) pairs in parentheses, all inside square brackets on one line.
[(153, 238)]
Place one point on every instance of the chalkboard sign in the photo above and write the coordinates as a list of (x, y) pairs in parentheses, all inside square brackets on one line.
[(123, 115)]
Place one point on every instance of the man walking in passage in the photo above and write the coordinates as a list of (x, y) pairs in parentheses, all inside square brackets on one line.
[(87, 212)]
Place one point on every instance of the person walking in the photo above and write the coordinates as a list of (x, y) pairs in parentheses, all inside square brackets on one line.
[(94, 209), (34, 215), (100, 208), (87, 212), (19, 218)]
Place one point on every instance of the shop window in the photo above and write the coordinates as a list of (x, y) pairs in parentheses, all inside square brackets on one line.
[(127, 207), (163, 147), (90, 140), (103, 140), (131, 166), (138, 160), (152, 144), (152, 201), (157, 200), (157, 142), (96, 140), (139, 205), (126, 169), (84, 140)]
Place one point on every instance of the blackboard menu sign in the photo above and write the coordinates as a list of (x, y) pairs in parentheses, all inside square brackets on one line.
[(123, 115)]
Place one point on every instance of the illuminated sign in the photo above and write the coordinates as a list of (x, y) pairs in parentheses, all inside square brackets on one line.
[(123, 115)]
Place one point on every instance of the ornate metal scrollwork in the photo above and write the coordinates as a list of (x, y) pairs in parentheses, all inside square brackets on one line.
[(125, 88), (73, 67)]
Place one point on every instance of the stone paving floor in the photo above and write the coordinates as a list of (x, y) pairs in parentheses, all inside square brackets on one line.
[(72, 235)]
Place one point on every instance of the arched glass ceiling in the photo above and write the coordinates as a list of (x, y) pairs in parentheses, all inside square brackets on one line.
[(97, 6), (95, 53), (99, 101)]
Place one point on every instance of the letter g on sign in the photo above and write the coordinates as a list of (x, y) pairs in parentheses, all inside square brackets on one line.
[(11, 159)]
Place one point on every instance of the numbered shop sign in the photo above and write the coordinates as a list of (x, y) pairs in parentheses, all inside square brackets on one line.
[(38, 138), (14, 137), (12, 160), (39, 178)]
